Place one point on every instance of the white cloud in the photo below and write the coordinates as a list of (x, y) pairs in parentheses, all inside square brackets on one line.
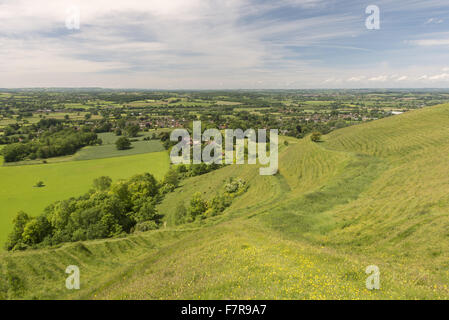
[(356, 79), (435, 21), (431, 42), (194, 44), (401, 78), (441, 76), (158, 40), (379, 78)]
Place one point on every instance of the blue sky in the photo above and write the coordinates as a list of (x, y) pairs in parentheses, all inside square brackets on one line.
[(226, 44)]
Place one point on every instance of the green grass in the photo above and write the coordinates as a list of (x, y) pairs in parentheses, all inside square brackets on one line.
[(108, 148), (372, 194), (64, 180), (109, 151)]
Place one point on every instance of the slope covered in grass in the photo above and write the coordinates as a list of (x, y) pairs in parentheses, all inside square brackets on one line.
[(373, 194)]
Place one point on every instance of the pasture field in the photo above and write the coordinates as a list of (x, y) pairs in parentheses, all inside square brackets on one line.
[(372, 194), (64, 180), (171, 102), (108, 149), (61, 115)]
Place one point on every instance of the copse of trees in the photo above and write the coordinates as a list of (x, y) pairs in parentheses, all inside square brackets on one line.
[(108, 210), (50, 144), (45, 124), (200, 208)]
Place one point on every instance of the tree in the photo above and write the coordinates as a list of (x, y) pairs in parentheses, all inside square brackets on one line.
[(132, 130), (102, 183), (316, 137), (121, 123), (52, 143), (147, 212), (145, 226), (123, 143), (15, 237), (171, 177), (36, 230)]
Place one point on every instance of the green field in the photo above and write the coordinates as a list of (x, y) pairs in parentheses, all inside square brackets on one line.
[(64, 180), (108, 149), (372, 194)]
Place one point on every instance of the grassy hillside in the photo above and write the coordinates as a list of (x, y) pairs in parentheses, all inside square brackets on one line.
[(64, 180), (373, 194)]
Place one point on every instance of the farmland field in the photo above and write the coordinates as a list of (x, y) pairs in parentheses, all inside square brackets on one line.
[(108, 148)]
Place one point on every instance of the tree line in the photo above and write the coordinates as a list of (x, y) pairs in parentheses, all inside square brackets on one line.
[(50, 144)]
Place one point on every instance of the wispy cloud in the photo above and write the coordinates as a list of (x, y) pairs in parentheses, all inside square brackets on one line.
[(215, 44)]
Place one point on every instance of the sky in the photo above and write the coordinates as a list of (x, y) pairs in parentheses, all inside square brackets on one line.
[(224, 44)]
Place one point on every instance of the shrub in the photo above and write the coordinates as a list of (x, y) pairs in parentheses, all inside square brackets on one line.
[(171, 177), (198, 205), (219, 203), (145, 226), (316, 137), (235, 185), (167, 188), (180, 216), (39, 184)]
